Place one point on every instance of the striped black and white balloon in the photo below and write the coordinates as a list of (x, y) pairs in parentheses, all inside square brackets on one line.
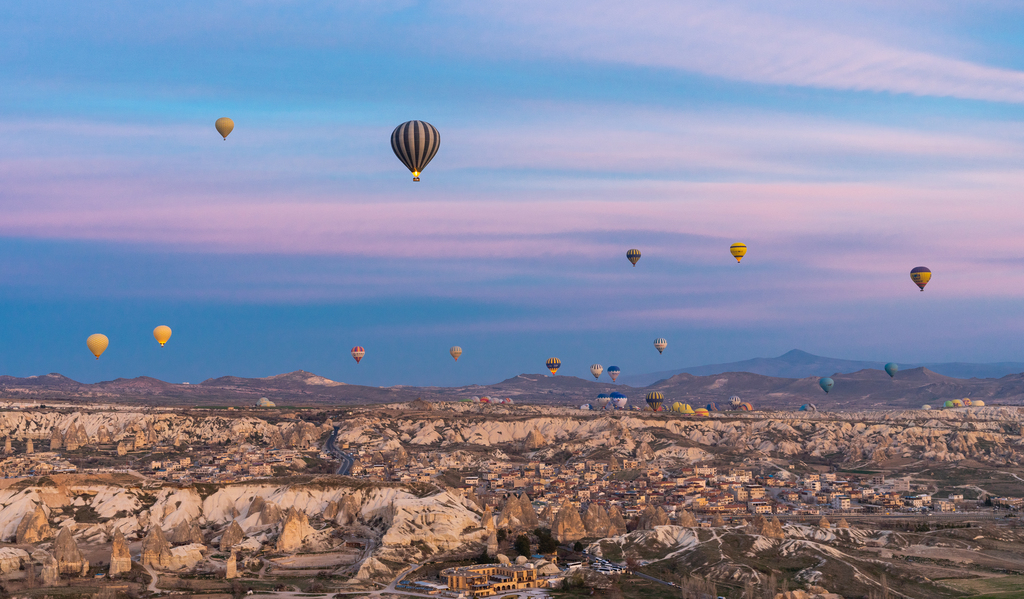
[(415, 143)]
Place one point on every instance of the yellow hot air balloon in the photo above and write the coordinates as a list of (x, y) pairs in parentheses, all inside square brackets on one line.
[(738, 250), (162, 333), (224, 126), (97, 344)]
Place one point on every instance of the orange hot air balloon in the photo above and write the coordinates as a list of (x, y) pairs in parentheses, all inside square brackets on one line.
[(162, 333), (224, 126), (97, 344)]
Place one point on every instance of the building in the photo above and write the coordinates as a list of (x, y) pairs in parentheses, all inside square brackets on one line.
[(485, 580), (841, 502)]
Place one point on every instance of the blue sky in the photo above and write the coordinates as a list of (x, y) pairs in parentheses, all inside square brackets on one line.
[(844, 143)]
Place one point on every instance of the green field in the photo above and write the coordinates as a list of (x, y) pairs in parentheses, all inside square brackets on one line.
[(1003, 587)]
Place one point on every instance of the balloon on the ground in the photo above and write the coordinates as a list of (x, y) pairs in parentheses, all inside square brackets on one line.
[(978, 403), (808, 407), (702, 413), (746, 407), (358, 353), (738, 250), (633, 256), (654, 399), (712, 407), (415, 143), (603, 400), (596, 370), (660, 344), (455, 351), (826, 384), (553, 365), (735, 401), (97, 344), (891, 369), (926, 407), (225, 126), (967, 401), (613, 371), (920, 275), (162, 334)]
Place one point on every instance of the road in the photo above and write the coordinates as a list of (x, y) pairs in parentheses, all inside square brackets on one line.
[(653, 579), (346, 459)]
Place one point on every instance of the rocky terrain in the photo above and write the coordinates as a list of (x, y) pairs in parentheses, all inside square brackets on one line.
[(58, 527)]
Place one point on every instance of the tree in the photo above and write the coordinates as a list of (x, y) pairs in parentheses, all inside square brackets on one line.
[(522, 545), (578, 546)]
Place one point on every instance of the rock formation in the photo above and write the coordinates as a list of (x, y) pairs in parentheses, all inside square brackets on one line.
[(596, 521), (156, 550), (644, 452), (717, 520), (372, 568), (7, 446), (651, 517), (103, 435), (56, 439), (232, 566), (34, 527), (824, 523), (843, 523), (419, 404), (270, 512), (568, 526), (12, 558), (518, 514), (293, 531), (120, 558), (769, 528), (534, 440), (487, 520), (616, 523), (70, 560), (122, 448), (615, 464), (687, 519), (29, 448), (185, 533), (51, 571), (492, 544), (232, 536)]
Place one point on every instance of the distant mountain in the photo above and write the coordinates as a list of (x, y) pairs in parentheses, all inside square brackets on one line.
[(799, 364), (865, 388)]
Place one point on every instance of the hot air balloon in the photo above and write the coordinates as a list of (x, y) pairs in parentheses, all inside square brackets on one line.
[(619, 401), (162, 333), (712, 407), (826, 384), (633, 256), (920, 275), (596, 370), (746, 407), (585, 406), (358, 353), (654, 399), (948, 403), (978, 403), (455, 351), (603, 400), (224, 126), (891, 369), (660, 344), (957, 403), (702, 413), (738, 250), (553, 365), (415, 143), (613, 371), (97, 344), (926, 407), (808, 407), (967, 401), (735, 401)]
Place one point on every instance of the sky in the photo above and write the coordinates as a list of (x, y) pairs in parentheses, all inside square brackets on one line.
[(844, 142)]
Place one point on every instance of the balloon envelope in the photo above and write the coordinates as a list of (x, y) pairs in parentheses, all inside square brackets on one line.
[(553, 365), (225, 126), (596, 370), (633, 256), (162, 334), (920, 275), (619, 401), (738, 250), (654, 399), (97, 344), (415, 143), (826, 384), (603, 400), (613, 371), (455, 351), (358, 353), (660, 344), (891, 369)]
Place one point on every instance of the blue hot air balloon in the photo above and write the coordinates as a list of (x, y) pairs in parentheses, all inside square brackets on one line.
[(826, 384), (619, 401), (712, 407), (891, 369), (613, 371)]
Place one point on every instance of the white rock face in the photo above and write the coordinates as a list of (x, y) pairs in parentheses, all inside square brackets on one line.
[(438, 521)]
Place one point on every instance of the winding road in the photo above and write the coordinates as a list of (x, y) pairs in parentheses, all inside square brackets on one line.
[(346, 459)]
